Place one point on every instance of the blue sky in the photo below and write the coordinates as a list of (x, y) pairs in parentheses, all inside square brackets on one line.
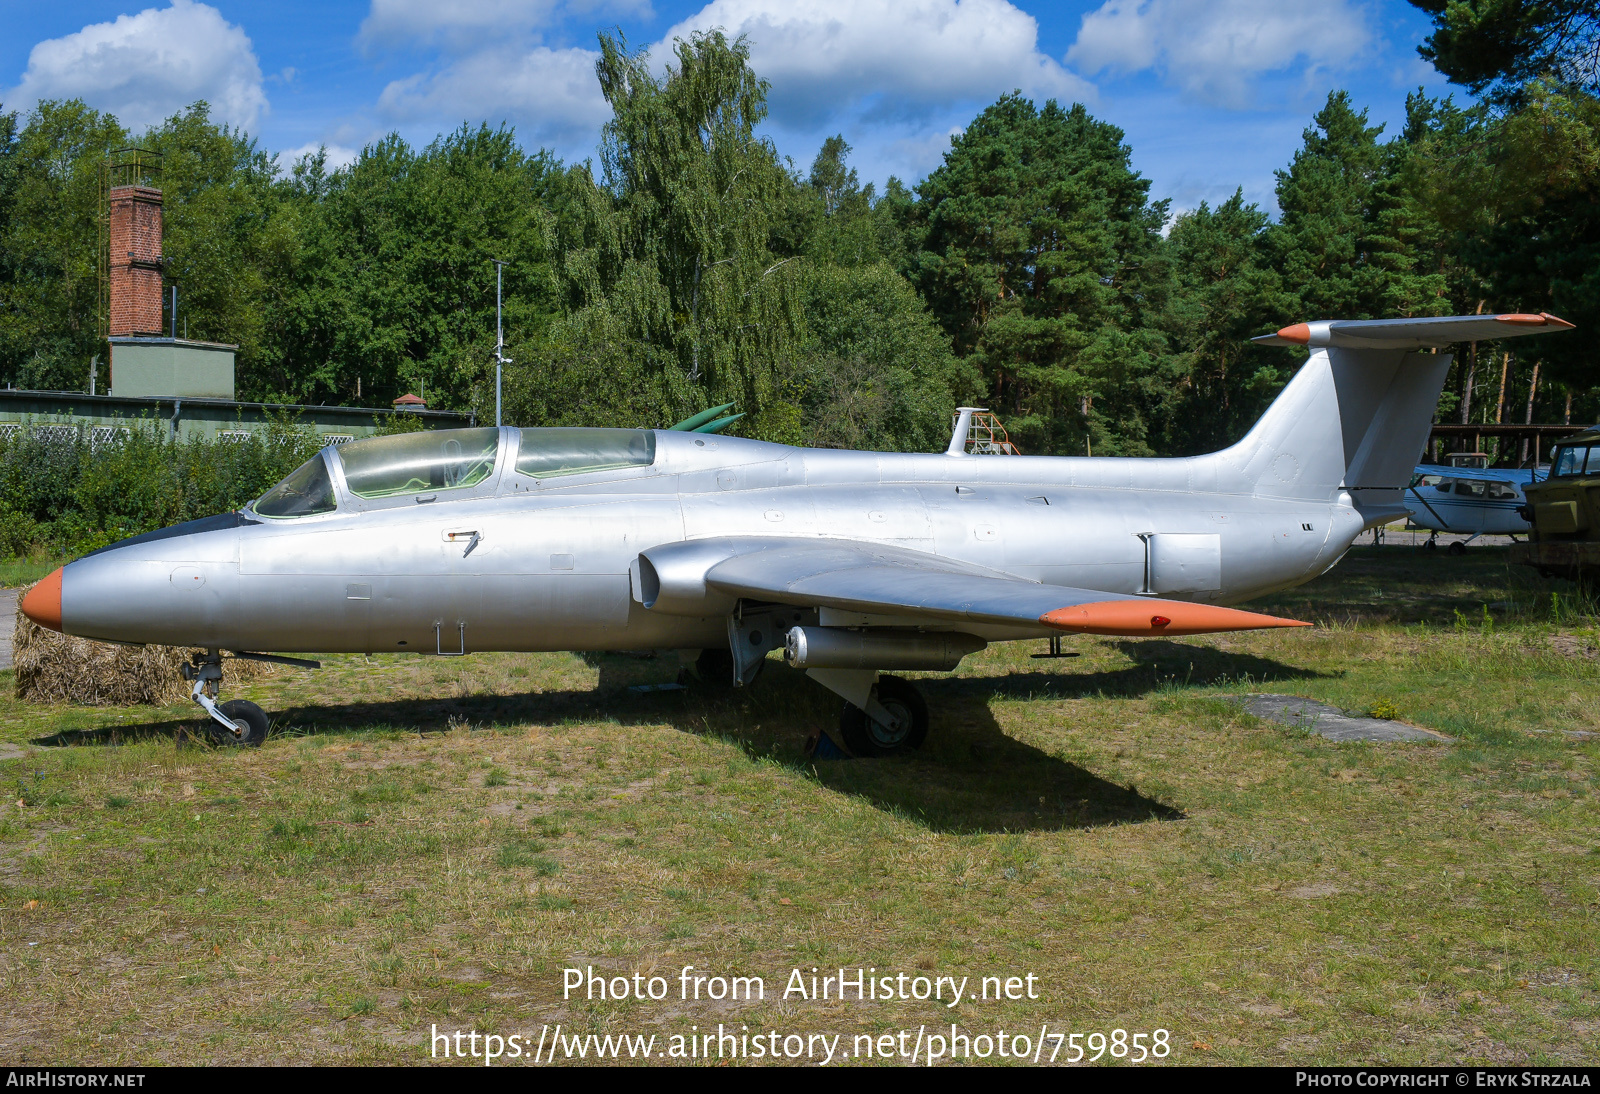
[(1213, 94)]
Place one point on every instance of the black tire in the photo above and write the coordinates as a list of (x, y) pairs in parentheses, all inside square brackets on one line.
[(240, 710), (715, 669), (1430, 545), (866, 737), (1458, 548)]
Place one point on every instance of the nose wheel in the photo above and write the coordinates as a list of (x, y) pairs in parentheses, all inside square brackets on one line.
[(235, 722), (250, 720)]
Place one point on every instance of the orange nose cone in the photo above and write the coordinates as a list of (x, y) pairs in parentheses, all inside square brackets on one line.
[(43, 602)]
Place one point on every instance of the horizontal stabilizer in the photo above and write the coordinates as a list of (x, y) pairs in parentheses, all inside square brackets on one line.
[(1410, 334)]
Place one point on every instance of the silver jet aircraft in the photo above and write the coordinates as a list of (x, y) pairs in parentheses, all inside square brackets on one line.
[(854, 563)]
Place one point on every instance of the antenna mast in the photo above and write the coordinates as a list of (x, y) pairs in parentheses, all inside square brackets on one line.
[(500, 359)]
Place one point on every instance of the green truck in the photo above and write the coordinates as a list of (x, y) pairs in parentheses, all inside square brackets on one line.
[(1564, 510)]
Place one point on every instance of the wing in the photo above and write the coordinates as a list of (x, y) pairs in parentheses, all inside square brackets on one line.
[(879, 580)]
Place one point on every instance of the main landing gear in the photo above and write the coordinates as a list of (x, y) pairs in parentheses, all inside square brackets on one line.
[(895, 721), (1457, 547), (882, 716)]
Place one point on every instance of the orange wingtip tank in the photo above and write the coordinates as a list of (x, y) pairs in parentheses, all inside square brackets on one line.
[(1158, 617), (43, 602), (1297, 332)]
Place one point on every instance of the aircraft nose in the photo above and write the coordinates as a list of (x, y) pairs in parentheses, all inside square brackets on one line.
[(43, 602)]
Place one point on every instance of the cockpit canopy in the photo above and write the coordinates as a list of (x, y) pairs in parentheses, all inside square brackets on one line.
[(415, 463), (434, 461), (546, 453)]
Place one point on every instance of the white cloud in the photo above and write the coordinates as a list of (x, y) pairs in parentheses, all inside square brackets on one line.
[(1215, 50), (338, 155), (888, 57), (551, 95), (838, 63), (144, 68), (460, 24)]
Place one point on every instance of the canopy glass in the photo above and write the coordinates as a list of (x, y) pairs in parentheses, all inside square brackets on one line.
[(416, 463), (304, 491), (545, 453)]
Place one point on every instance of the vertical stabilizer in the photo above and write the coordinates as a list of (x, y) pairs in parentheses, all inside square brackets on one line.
[(1356, 417)]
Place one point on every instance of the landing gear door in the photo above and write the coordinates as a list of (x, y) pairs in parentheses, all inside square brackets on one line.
[(1182, 562)]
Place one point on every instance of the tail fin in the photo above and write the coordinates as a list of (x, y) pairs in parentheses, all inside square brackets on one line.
[(1356, 417)]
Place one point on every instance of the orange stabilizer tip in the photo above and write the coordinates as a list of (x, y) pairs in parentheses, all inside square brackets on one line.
[(43, 602), (1543, 319), (1147, 617), (1296, 332)]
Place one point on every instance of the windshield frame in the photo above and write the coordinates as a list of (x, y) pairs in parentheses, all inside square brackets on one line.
[(1561, 451), (341, 497)]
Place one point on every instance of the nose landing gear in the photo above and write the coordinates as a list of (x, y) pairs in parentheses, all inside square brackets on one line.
[(235, 722)]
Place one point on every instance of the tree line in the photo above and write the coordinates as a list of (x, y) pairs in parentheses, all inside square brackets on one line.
[(694, 264)]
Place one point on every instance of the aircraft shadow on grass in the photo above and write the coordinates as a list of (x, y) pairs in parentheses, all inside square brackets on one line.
[(969, 777)]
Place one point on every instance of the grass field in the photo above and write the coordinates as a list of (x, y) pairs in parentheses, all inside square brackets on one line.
[(25, 571), (433, 841)]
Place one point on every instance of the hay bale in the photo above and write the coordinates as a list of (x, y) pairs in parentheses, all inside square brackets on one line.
[(58, 668)]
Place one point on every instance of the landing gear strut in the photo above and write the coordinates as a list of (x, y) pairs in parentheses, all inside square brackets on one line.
[(235, 722), (898, 722), (883, 715)]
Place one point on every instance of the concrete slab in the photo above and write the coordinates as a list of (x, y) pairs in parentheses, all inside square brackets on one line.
[(8, 615), (1331, 722)]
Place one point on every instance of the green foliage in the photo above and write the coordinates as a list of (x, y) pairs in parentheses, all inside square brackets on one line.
[(875, 370), (65, 494), (1327, 197), (49, 199), (395, 285), (1227, 290), (231, 240), (1041, 256), (1499, 46), (668, 261)]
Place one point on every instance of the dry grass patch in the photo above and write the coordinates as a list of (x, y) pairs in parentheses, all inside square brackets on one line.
[(51, 667)]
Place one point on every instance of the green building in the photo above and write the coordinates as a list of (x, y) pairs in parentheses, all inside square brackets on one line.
[(188, 386)]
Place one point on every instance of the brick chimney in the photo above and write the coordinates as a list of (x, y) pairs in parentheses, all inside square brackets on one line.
[(135, 260)]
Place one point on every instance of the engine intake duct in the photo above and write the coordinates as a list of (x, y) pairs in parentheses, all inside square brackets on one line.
[(877, 648)]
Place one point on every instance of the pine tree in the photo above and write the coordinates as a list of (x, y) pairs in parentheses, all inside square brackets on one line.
[(1324, 239), (1041, 255), (1498, 47), (1227, 292), (670, 257)]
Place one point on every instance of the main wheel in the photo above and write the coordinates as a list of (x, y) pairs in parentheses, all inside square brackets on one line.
[(714, 667), (1429, 545), (244, 712), (866, 736), (1458, 548)]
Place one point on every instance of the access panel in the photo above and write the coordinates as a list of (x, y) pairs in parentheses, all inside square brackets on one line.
[(1183, 562)]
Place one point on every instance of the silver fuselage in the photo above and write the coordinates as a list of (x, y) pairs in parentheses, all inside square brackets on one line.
[(553, 565)]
